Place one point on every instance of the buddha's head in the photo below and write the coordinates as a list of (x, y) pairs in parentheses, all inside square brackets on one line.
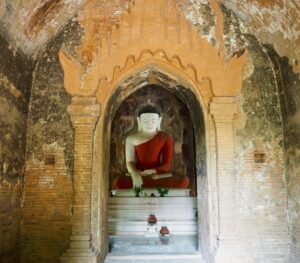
[(149, 119)]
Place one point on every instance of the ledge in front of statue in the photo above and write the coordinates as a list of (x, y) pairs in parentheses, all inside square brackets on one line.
[(150, 192)]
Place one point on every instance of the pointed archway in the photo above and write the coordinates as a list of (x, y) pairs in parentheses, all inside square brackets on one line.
[(146, 76)]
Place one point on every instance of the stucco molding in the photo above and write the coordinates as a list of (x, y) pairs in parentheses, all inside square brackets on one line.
[(84, 111), (159, 33)]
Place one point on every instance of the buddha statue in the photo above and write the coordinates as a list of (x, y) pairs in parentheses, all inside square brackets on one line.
[(149, 154)]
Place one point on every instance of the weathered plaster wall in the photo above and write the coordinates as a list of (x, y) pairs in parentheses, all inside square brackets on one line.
[(46, 224), (15, 83), (273, 21), (261, 183), (30, 24), (289, 86), (292, 148), (292, 154), (260, 187)]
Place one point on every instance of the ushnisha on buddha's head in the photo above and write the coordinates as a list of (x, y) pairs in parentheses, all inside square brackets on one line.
[(149, 119)]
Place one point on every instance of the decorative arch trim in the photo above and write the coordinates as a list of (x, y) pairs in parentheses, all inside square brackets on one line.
[(202, 89), (159, 32)]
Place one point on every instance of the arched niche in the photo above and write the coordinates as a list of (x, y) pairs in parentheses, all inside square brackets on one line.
[(176, 121), (205, 162)]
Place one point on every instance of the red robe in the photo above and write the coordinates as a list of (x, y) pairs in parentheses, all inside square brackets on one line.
[(157, 154)]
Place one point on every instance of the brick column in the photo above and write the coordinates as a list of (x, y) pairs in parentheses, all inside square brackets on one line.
[(229, 249), (84, 113)]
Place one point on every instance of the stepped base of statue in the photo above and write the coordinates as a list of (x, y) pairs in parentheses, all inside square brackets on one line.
[(151, 192), (152, 231), (173, 181)]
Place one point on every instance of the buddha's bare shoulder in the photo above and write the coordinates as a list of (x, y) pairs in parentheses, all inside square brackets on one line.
[(132, 136)]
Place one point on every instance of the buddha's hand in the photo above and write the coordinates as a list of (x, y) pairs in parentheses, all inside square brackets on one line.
[(137, 180), (148, 172)]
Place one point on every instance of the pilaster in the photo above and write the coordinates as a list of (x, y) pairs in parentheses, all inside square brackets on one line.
[(84, 113), (223, 110)]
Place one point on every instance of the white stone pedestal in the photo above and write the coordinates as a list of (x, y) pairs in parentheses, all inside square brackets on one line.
[(152, 231), (148, 191)]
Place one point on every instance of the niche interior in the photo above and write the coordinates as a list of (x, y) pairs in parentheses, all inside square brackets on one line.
[(176, 121)]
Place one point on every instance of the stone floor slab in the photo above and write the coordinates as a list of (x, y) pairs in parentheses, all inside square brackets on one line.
[(151, 249)]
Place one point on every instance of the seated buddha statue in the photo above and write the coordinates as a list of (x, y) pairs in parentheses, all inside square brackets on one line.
[(149, 153)]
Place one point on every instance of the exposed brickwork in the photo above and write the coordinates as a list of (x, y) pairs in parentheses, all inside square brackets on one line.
[(49, 125), (15, 83), (84, 113), (231, 248), (47, 204), (10, 215), (261, 187), (261, 197)]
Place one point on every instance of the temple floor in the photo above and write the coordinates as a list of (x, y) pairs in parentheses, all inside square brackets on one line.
[(153, 246), (152, 249)]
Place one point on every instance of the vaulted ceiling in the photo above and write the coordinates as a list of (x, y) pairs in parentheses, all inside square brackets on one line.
[(30, 24)]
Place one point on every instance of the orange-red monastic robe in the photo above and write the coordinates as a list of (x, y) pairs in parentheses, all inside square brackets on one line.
[(157, 154)]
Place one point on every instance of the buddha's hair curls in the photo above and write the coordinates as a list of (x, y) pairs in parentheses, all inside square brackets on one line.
[(148, 109)]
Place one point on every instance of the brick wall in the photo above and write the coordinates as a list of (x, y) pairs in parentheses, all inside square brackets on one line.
[(15, 83), (260, 168), (261, 198), (47, 204), (47, 193)]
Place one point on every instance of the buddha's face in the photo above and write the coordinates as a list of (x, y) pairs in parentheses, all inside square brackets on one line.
[(149, 122)]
